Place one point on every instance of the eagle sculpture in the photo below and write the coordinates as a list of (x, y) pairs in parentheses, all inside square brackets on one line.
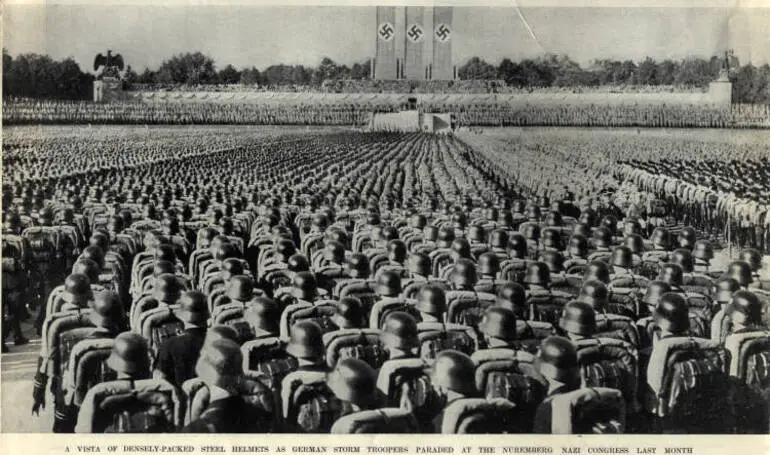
[(111, 64)]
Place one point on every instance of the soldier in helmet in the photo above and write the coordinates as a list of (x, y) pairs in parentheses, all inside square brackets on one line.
[(578, 320), (557, 362), (220, 368), (671, 318), (740, 271), (419, 266), (129, 359), (306, 345), (703, 253), (263, 317), (357, 270), (464, 277), (453, 378), (513, 296), (597, 270), (108, 320), (753, 257), (77, 293), (354, 383), (349, 314), (489, 268), (661, 244), (577, 251), (686, 238), (397, 253), (602, 242), (177, 355), (399, 336), (745, 313), (431, 303), (498, 327)]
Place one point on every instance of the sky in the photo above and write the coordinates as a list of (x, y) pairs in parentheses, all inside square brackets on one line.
[(261, 35)]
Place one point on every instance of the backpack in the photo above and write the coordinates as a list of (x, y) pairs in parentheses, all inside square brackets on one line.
[(378, 421), (510, 374), (480, 416), (435, 337), (309, 405), (405, 383), (144, 406), (610, 363), (362, 344), (467, 308), (750, 358), (267, 358), (681, 372), (590, 410)]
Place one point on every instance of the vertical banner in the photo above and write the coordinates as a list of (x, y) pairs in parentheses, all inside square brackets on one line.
[(385, 57), (415, 38), (443, 65)]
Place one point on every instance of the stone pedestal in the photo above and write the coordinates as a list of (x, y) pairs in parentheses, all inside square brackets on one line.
[(108, 89)]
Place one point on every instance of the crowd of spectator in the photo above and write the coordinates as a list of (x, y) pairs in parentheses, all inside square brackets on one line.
[(297, 112)]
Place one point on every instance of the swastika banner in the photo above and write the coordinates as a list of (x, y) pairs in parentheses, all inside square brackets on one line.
[(414, 30), (387, 36), (443, 63)]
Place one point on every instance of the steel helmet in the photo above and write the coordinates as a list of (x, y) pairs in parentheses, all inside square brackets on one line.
[(672, 313), (622, 257), (684, 259), (537, 274), (518, 247), (306, 341), (419, 264), (594, 293), (431, 300), (193, 307), (724, 289), (107, 310), (557, 360), (354, 381), (304, 285), (357, 266), (597, 270), (298, 263), (399, 331), (455, 371), (578, 246), (489, 264), (671, 274), (465, 273), (499, 322), (498, 239), (745, 308), (130, 355), (635, 243), (240, 288), (602, 237), (263, 314), (578, 318), (77, 289), (389, 283), (740, 271), (554, 260), (349, 313), (753, 257), (703, 250)]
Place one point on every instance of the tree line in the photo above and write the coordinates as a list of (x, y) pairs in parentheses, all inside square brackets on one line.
[(39, 76)]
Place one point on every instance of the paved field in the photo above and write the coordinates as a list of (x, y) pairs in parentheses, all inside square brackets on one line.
[(17, 370)]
